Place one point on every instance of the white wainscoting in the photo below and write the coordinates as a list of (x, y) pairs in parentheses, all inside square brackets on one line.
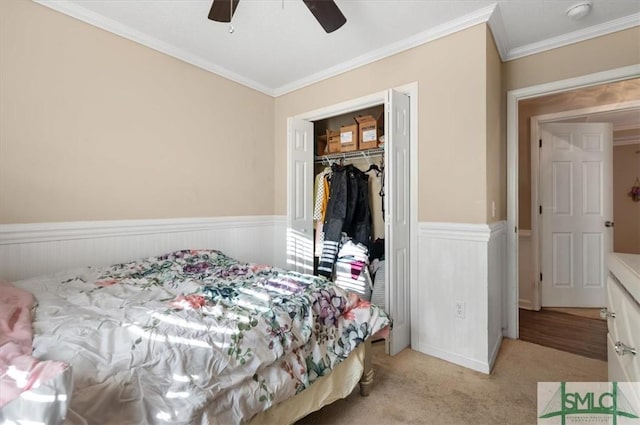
[(460, 263), (457, 262), (526, 284), (28, 250)]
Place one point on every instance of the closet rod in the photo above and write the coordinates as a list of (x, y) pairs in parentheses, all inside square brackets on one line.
[(368, 153)]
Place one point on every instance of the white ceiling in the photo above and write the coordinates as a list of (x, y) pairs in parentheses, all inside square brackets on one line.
[(278, 46), (625, 122)]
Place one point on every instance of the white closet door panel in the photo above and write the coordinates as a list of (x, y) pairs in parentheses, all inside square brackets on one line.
[(300, 226), (397, 208)]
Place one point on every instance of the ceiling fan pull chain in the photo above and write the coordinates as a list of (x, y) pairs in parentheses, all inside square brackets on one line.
[(231, 29)]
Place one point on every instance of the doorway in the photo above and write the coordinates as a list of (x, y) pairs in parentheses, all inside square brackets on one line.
[(519, 201), (573, 227), (586, 222)]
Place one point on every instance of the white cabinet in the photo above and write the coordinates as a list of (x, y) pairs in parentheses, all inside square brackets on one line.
[(623, 320)]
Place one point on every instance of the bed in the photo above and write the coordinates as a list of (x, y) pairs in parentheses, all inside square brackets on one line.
[(197, 337)]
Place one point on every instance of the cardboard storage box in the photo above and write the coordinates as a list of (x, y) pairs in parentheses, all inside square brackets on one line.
[(321, 145), (349, 138), (369, 130), (333, 141)]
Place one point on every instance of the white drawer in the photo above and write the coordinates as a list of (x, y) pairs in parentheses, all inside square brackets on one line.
[(618, 367), (625, 328), (615, 295)]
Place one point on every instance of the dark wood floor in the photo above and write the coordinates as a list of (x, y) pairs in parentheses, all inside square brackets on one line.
[(579, 335)]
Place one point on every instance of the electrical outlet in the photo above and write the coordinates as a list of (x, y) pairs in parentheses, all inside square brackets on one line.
[(459, 306)]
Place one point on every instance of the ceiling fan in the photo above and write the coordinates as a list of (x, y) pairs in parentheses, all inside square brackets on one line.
[(326, 12)]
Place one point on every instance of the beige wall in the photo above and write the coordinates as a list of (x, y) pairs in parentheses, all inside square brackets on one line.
[(451, 76), (626, 213), (496, 136), (96, 127), (93, 126), (611, 51)]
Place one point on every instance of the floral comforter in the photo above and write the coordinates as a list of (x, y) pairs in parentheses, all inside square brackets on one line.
[(193, 337)]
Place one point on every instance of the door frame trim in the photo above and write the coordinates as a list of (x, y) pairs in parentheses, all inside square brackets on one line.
[(513, 97), (536, 164), (373, 99)]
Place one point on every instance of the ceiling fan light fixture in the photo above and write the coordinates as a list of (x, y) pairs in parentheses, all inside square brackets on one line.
[(579, 10)]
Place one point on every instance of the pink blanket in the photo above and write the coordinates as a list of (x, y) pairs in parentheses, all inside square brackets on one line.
[(19, 371)]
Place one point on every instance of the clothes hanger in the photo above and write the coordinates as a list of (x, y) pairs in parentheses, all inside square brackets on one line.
[(374, 167)]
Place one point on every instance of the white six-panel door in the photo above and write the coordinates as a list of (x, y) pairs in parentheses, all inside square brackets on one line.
[(397, 207), (300, 209), (576, 204)]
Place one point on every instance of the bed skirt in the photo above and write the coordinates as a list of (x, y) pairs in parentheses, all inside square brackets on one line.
[(327, 389)]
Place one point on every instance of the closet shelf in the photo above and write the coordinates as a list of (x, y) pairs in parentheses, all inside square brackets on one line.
[(368, 153)]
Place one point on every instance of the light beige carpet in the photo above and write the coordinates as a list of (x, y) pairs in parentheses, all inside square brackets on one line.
[(413, 388)]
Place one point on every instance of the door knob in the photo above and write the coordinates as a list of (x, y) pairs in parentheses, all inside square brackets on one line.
[(622, 349), (605, 313), (609, 224)]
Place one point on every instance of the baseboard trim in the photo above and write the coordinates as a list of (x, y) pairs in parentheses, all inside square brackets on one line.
[(524, 233), (494, 352), (457, 359), (525, 304)]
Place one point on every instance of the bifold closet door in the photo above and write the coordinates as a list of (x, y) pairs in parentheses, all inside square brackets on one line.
[(397, 207), (300, 209)]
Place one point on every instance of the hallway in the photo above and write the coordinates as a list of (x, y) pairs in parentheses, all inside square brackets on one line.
[(585, 336)]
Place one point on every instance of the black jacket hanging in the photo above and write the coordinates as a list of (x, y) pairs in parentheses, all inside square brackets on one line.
[(347, 211)]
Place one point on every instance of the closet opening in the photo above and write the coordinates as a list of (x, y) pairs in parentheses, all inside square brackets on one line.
[(348, 199), (363, 235)]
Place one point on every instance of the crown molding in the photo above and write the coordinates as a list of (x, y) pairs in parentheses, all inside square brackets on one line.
[(102, 22), (496, 23), (574, 37), (448, 28), (125, 31)]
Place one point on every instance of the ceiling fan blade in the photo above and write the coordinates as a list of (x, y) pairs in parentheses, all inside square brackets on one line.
[(327, 13), (221, 10)]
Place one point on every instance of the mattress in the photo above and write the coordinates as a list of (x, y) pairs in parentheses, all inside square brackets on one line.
[(193, 337)]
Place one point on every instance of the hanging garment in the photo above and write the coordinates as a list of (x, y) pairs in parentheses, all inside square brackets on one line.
[(360, 225), (348, 211), (320, 207), (321, 194), (319, 239), (377, 250), (352, 271), (382, 190), (377, 295), (334, 220)]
